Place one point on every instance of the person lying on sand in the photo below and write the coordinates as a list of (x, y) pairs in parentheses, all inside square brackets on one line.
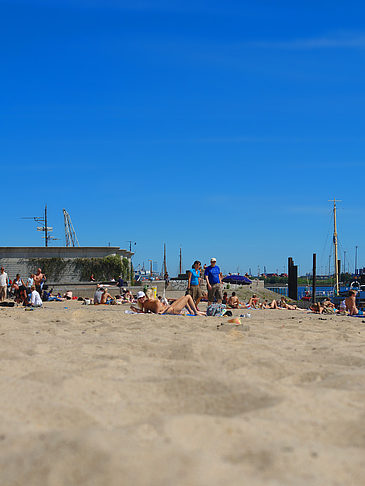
[(272, 305), (317, 308), (327, 303), (323, 307), (350, 302), (156, 306)]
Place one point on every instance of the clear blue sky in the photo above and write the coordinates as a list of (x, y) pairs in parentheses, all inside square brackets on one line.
[(221, 127)]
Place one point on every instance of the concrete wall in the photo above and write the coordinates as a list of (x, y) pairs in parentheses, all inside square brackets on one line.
[(18, 259)]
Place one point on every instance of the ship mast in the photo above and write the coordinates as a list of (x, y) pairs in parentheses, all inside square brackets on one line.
[(335, 245), (180, 264)]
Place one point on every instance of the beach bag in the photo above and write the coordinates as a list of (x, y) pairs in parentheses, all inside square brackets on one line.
[(7, 304), (216, 310)]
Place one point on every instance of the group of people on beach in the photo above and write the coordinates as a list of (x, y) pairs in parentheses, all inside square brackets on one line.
[(30, 293), (347, 306), (27, 293)]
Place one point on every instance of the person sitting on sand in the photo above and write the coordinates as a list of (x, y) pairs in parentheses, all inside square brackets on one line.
[(233, 301), (329, 307), (35, 298), (127, 296), (284, 305), (106, 298), (68, 295), (350, 302), (157, 307), (19, 289), (254, 301), (225, 298), (98, 293)]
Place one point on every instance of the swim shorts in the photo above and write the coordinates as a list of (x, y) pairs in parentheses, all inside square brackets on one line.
[(215, 292)]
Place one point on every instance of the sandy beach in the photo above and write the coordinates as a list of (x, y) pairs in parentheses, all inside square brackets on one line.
[(93, 396)]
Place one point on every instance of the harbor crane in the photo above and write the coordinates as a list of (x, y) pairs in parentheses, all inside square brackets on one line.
[(70, 234)]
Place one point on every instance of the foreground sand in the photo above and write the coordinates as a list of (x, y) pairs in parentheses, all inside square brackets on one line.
[(92, 396)]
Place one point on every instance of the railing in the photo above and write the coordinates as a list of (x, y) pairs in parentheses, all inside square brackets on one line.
[(320, 292), (279, 290)]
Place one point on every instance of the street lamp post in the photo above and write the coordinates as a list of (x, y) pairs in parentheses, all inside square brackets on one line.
[(130, 250)]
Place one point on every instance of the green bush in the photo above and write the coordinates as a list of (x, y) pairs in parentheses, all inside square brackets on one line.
[(103, 268), (51, 267)]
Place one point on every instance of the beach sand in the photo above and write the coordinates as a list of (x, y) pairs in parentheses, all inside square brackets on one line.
[(92, 396)]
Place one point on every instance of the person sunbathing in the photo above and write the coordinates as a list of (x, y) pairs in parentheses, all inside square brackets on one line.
[(350, 303), (317, 308), (329, 307), (328, 303), (128, 296), (155, 306), (284, 305), (254, 301), (272, 305), (233, 301), (106, 298)]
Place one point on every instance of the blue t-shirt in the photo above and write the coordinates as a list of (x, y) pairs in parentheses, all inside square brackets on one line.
[(195, 274), (213, 274)]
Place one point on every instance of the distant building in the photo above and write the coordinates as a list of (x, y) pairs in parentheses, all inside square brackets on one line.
[(23, 259)]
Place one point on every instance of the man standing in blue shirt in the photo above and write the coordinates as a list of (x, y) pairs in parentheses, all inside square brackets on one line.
[(213, 278)]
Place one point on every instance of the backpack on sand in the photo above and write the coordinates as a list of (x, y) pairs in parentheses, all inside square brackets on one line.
[(217, 310)]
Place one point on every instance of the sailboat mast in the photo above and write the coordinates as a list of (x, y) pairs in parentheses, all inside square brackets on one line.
[(180, 265), (335, 245)]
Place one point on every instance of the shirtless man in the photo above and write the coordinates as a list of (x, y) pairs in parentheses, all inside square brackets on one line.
[(233, 301), (38, 278), (350, 302), (106, 297), (157, 307)]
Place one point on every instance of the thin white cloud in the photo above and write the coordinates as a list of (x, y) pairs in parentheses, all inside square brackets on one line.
[(337, 41)]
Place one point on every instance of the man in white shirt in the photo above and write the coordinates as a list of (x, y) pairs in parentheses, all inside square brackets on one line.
[(35, 298), (3, 284)]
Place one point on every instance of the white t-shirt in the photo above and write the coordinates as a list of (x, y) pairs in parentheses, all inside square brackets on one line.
[(97, 296), (35, 298), (3, 279)]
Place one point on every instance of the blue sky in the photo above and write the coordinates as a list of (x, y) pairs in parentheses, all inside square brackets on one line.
[(220, 127)]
